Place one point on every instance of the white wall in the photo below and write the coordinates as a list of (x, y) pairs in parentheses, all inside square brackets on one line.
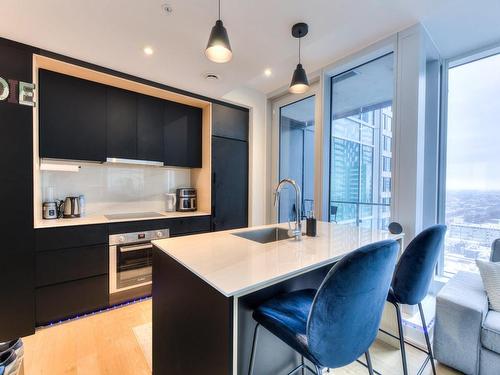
[(256, 101)]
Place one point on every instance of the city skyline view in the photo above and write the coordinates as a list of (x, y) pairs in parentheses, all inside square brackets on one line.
[(472, 167)]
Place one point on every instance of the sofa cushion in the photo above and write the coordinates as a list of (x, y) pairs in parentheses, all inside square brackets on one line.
[(490, 273), (490, 334)]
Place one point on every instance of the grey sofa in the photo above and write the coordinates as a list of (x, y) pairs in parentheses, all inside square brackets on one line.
[(467, 333)]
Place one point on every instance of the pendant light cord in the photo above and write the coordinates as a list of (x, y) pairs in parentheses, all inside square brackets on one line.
[(299, 48), (219, 9)]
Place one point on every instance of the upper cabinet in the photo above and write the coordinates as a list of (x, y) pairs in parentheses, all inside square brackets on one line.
[(183, 135), (72, 118), (150, 128), (84, 120), (229, 122), (121, 124)]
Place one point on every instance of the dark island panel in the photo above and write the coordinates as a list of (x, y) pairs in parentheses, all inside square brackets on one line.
[(192, 322)]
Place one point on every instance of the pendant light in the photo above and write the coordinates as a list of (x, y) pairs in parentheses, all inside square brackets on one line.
[(299, 84), (218, 47)]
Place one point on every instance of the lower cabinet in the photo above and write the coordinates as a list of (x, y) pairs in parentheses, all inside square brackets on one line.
[(72, 264), (71, 271), (70, 299), (59, 266)]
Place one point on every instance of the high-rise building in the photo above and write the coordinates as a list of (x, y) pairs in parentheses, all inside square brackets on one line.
[(361, 163)]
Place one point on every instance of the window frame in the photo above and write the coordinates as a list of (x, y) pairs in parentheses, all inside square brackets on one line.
[(448, 64), (356, 62), (309, 94)]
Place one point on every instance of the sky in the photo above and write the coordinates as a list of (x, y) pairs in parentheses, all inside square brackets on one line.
[(473, 144)]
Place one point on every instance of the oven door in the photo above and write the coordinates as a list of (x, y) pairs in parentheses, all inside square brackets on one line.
[(130, 266)]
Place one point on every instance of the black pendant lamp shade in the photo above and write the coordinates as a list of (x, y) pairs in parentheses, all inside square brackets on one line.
[(218, 47), (300, 83)]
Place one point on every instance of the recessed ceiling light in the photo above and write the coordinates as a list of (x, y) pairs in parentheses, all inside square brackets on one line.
[(268, 72), (148, 50)]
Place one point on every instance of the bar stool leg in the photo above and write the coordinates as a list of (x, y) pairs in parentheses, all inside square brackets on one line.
[(427, 340), (254, 347), (401, 338), (369, 362)]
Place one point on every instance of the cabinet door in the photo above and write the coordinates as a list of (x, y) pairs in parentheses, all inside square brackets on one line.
[(150, 128), (230, 183), (121, 124), (59, 266), (183, 135), (229, 122), (72, 118), (69, 299), (17, 306)]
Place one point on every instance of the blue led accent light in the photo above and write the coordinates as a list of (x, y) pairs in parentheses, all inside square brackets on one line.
[(76, 317)]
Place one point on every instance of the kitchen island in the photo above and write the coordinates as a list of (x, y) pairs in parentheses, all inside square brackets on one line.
[(206, 286)]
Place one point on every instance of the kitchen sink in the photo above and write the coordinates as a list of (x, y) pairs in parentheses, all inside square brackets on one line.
[(265, 235)]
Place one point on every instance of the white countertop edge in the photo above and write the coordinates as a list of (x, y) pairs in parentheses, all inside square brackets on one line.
[(253, 288), (101, 219)]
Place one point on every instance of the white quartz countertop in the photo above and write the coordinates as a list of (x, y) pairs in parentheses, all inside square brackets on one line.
[(101, 219), (236, 266)]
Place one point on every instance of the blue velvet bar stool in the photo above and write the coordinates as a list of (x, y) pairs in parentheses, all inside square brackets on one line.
[(411, 281), (336, 324)]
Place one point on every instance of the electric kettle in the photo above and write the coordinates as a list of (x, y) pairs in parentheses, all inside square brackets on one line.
[(171, 202), (71, 207)]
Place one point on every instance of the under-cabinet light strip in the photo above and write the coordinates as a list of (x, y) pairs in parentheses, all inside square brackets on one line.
[(76, 317)]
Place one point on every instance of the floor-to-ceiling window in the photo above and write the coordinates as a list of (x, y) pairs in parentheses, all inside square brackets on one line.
[(361, 144), (472, 170), (296, 155)]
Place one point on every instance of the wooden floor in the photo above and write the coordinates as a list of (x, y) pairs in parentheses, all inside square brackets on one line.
[(105, 344)]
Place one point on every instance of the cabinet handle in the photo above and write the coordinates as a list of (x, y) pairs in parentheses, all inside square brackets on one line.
[(214, 194), (126, 249)]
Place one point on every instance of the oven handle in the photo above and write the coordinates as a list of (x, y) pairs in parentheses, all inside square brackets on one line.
[(125, 249)]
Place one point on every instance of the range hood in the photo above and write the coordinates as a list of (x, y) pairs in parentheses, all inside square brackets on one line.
[(134, 162)]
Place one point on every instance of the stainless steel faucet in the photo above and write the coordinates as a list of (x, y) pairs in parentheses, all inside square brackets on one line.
[(297, 230)]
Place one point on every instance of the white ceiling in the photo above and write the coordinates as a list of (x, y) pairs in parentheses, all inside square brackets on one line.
[(112, 33)]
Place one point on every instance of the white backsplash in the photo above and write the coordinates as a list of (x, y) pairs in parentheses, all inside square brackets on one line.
[(111, 189)]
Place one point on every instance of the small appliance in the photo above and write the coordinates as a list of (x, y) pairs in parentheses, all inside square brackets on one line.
[(71, 207), (171, 200), (186, 199), (50, 210)]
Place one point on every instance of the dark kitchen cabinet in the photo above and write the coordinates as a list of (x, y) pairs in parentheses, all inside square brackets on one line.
[(17, 316), (72, 298), (183, 135), (229, 183), (84, 120), (58, 266), (71, 236), (150, 128), (72, 117), (230, 122), (71, 271), (178, 226), (121, 123)]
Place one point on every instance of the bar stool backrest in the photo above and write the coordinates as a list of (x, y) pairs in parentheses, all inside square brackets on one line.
[(346, 311), (417, 264)]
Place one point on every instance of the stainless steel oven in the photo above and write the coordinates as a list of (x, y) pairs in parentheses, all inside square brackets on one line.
[(130, 260)]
